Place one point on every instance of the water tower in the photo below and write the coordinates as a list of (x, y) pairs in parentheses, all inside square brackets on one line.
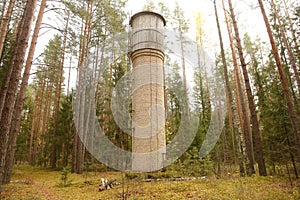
[(148, 100)]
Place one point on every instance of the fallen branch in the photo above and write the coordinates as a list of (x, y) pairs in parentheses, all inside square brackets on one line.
[(173, 179)]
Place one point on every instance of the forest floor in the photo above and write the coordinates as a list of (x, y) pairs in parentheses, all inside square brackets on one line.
[(31, 183)]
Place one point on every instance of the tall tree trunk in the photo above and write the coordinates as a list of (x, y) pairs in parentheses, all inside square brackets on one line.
[(76, 139), (36, 133), (33, 124), (184, 74), (291, 153), (228, 88), (16, 66), (288, 47), (78, 150), (4, 28), (290, 105), (242, 111), (2, 12), (15, 127), (69, 77), (255, 126), (58, 95), (234, 135), (5, 24), (46, 115), (74, 152), (286, 71), (294, 37)]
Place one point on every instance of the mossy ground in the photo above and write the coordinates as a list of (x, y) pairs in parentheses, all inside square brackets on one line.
[(37, 183)]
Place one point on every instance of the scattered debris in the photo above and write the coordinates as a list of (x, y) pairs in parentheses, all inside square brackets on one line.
[(27, 181), (107, 184)]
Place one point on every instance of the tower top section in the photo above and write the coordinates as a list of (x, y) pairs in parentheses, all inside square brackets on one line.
[(147, 31)]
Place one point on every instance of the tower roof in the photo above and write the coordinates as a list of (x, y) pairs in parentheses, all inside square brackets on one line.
[(146, 13)]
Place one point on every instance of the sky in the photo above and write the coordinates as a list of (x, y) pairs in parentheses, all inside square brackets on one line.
[(249, 20)]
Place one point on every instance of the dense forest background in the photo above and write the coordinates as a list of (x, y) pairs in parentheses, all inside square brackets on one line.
[(261, 134)]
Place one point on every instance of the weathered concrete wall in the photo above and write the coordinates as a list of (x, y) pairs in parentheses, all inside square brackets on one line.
[(148, 117)]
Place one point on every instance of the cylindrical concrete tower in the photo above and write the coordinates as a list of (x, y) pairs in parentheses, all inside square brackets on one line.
[(148, 112)]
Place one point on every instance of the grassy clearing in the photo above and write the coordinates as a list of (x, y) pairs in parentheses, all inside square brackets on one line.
[(43, 184)]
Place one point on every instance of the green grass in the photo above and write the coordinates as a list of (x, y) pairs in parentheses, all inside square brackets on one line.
[(40, 184)]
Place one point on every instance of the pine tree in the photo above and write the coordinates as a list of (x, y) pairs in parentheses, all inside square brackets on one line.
[(290, 104), (287, 46), (181, 26), (19, 103), (47, 80), (254, 120), (231, 116), (12, 79), (5, 24), (241, 108)]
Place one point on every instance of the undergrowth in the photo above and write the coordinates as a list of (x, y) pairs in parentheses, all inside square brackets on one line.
[(43, 185)]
